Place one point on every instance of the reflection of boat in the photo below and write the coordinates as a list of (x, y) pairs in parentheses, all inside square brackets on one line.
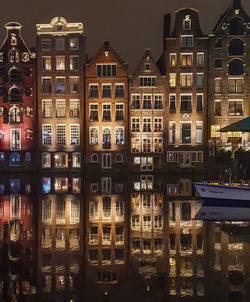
[(241, 232), (223, 192), (223, 213)]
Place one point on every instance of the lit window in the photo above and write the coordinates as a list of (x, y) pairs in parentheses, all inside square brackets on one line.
[(15, 139), (171, 134), (46, 63), (146, 163), (15, 115), (46, 160), (47, 134), (46, 184), (74, 110), (74, 84), (172, 80), (93, 135), (172, 59), (158, 145), (235, 85), (14, 56), (60, 63), (76, 160), (61, 160), (235, 107), (61, 184), (60, 135), (76, 184), (187, 23), (186, 80), (186, 133), (60, 85), (199, 132), (200, 59), (60, 108), (135, 145), (186, 60), (119, 135), (214, 131), (15, 185), (73, 43), (28, 111), (74, 62), (106, 138), (75, 134), (217, 85)]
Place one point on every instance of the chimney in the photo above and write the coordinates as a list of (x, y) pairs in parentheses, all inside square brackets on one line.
[(236, 4)]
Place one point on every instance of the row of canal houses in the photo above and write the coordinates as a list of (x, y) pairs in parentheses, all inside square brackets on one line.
[(61, 110)]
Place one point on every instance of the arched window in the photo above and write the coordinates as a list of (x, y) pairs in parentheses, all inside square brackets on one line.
[(14, 76), (119, 136), (236, 47), (236, 26), (106, 138), (119, 158), (15, 115), (14, 56), (15, 95), (235, 67), (15, 159), (93, 139), (94, 158)]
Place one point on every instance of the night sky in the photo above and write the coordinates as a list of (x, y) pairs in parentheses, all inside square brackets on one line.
[(130, 25)]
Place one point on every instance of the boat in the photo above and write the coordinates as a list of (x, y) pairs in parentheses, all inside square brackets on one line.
[(212, 192)]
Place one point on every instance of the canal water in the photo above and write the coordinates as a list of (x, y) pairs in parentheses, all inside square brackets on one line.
[(116, 237)]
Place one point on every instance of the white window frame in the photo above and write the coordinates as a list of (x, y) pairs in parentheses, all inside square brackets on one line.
[(20, 139), (79, 134)]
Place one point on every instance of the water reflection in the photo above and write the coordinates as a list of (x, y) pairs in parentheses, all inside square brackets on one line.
[(111, 237)]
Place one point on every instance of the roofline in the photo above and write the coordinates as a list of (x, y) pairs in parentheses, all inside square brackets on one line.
[(184, 8)]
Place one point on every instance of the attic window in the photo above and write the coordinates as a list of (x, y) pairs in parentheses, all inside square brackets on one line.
[(236, 26), (187, 23), (147, 67)]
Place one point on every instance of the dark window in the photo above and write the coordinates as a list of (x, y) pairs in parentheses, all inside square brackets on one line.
[(235, 67), (217, 107), (186, 133), (186, 103), (15, 95), (236, 47), (172, 106), (27, 91), (15, 159), (147, 81), (218, 63), (106, 70), (93, 91), (218, 43), (199, 103), (236, 26), (106, 91), (27, 72), (119, 91), (14, 76)]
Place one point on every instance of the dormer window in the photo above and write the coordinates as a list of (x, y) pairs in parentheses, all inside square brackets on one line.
[(13, 40), (147, 67), (187, 23)]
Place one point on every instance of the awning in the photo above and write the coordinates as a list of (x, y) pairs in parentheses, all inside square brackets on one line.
[(240, 126)]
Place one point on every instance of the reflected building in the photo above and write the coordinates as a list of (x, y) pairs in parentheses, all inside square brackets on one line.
[(186, 241), (106, 234), (228, 102), (185, 63), (147, 104), (17, 238), (60, 59), (60, 233), (17, 101), (106, 94)]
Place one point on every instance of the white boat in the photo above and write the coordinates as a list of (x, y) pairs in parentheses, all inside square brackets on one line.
[(225, 193), (222, 213)]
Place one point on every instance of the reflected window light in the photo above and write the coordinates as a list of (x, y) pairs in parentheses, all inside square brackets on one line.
[(46, 184)]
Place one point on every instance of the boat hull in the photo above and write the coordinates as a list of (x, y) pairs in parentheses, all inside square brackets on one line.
[(223, 192)]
